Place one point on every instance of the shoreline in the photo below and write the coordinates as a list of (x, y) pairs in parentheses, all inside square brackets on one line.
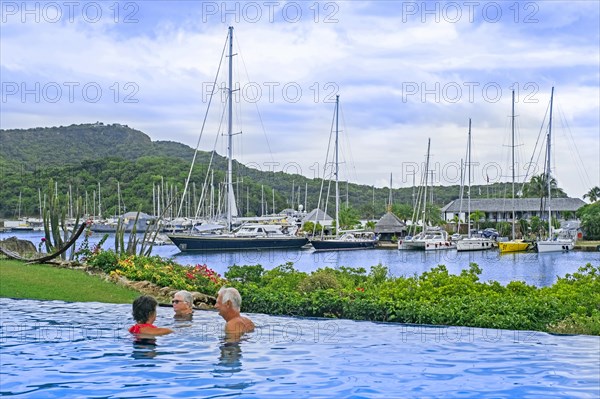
[(585, 246)]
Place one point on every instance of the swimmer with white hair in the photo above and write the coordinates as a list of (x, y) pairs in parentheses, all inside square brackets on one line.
[(183, 305), (229, 302)]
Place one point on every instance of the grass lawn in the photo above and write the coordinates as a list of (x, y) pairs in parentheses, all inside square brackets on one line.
[(19, 280)]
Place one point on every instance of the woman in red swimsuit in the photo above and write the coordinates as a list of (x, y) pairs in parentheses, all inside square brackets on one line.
[(144, 313)]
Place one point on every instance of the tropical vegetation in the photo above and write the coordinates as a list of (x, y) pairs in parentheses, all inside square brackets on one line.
[(593, 195), (571, 305), (537, 187), (589, 215)]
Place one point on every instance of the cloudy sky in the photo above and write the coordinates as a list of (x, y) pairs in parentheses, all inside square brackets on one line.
[(404, 71)]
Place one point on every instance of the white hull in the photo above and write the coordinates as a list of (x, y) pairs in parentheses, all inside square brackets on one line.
[(555, 246), (432, 245), (431, 240), (474, 244), (405, 244)]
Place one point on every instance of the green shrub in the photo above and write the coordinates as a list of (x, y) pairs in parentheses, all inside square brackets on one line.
[(321, 280), (245, 274), (578, 324), (378, 275), (283, 277), (106, 261)]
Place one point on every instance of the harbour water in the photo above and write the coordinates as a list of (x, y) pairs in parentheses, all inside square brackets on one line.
[(532, 268)]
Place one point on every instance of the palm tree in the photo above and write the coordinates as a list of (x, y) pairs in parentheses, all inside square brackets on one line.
[(523, 227), (455, 220), (476, 216), (538, 188), (349, 218), (434, 215), (593, 194), (403, 211)]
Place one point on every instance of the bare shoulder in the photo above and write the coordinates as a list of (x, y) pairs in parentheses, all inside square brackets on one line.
[(239, 325)]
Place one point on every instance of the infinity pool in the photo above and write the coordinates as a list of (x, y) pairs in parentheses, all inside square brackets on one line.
[(53, 349)]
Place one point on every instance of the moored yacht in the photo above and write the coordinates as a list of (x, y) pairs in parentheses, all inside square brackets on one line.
[(267, 235), (350, 239), (432, 239), (346, 241), (471, 243), (561, 243), (249, 236)]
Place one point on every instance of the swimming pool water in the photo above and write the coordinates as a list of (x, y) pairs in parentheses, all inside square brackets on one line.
[(53, 349)]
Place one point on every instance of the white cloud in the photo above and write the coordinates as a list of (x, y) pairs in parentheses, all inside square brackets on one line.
[(398, 78)]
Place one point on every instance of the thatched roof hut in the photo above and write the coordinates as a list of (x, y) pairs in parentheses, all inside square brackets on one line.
[(389, 226)]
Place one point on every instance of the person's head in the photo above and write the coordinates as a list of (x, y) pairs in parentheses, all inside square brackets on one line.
[(182, 302), (229, 301), (144, 309)]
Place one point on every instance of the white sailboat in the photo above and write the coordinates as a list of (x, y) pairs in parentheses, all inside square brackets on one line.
[(472, 243), (556, 244), (350, 239), (430, 238)]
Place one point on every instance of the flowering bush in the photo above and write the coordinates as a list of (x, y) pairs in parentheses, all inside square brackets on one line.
[(85, 253), (167, 273)]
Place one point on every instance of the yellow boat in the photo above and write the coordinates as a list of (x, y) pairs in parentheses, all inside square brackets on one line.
[(513, 246)]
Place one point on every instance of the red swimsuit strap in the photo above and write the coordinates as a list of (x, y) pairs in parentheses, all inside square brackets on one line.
[(136, 328)]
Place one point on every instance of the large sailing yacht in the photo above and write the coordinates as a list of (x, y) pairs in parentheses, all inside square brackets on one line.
[(224, 238)]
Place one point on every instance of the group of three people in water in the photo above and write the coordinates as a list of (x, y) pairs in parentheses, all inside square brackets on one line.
[(229, 302)]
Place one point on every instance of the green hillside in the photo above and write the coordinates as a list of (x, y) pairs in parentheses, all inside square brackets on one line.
[(79, 157)]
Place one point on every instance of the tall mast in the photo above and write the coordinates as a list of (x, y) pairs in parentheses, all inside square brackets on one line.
[(390, 198), (513, 163), (337, 189), (230, 195), (426, 181), (118, 198), (548, 171), (40, 202), (469, 181), (99, 203)]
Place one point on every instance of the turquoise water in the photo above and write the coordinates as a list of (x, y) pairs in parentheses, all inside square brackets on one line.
[(53, 349), (533, 268)]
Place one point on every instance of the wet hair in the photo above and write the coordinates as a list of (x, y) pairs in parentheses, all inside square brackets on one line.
[(143, 307), (231, 294), (187, 297)]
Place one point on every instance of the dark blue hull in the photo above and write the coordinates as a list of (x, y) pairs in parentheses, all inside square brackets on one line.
[(339, 245), (186, 242)]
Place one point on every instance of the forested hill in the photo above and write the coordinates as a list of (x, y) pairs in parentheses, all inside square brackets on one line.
[(113, 158), (68, 145)]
